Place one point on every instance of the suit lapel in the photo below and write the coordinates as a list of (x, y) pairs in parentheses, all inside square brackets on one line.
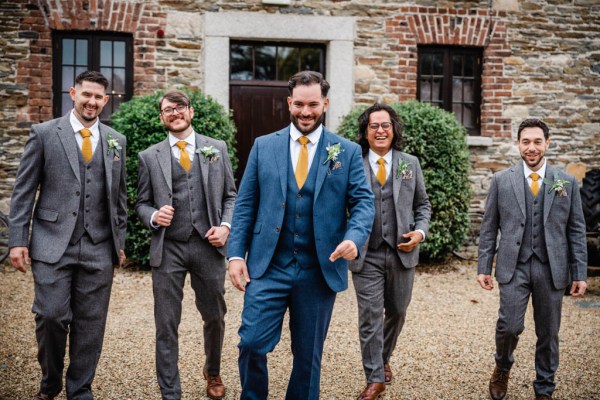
[(163, 155), (320, 157), (108, 161), (282, 157), (550, 194), (67, 138), (516, 177), (367, 168), (396, 183), (204, 165)]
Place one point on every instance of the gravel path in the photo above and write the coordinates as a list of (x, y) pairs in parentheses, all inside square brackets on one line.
[(445, 352)]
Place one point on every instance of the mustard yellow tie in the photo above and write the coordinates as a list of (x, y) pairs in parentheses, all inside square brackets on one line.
[(184, 157), (86, 146), (302, 166), (381, 171), (535, 186)]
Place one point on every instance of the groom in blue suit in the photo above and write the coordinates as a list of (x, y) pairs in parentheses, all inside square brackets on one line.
[(304, 208)]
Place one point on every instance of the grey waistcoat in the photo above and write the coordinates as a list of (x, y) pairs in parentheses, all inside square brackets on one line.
[(534, 241), (384, 224)]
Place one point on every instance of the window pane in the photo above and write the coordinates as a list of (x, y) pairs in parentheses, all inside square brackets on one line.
[(438, 64), (287, 62), (426, 64), (68, 51), (468, 116), (82, 52), (265, 63), (468, 85), (436, 91), (457, 110), (105, 53), (119, 80), (66, 103), (79, 70), (241, 62), (425, 90), (107, 110), (107, 72), (119, 52), (457, 90), (456, 65), (310, 59), (67, 78), (469, 65)]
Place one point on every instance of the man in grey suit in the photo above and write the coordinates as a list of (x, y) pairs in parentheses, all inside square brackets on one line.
[(383, 276), (186, 195), (77, 234), (537, 208)]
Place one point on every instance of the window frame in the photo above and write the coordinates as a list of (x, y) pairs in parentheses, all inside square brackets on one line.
[(447, 77), (93, 61)]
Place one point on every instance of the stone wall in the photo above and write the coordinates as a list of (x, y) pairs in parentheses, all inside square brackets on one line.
[(541, 59)]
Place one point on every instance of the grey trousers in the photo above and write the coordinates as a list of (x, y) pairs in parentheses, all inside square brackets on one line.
[(207, 271), (534, 279), (71, 300), (382, 285)]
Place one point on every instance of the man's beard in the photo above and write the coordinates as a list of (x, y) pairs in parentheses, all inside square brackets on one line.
[(306, 131)]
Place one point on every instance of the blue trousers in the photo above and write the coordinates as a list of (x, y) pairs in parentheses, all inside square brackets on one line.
[(310, 302)]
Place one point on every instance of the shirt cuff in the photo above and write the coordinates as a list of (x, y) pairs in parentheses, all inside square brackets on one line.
[(152, 223), (422, 233), (235, 258), (227, 224)]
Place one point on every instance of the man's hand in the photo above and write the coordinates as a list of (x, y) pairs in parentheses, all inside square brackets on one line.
[(415, 238), (122, 257), (237, 271), (485, 281), (217, 235), (346, 250), (19, 257), (578, 288), (164, 216)]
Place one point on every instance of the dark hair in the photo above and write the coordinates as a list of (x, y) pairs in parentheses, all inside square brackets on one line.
[(363, 126), (92, 76), (533, 123), (174, 96), (307, 78)]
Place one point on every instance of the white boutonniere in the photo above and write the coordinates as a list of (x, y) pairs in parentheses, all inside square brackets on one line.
[(114, 147), (333, 151), (559, 185), (210, 153), (403, 171)]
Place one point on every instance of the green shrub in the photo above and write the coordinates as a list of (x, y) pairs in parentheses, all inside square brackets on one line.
[(139, 121), (438, 140)]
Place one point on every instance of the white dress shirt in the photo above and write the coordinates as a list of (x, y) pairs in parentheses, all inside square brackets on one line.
[(295, 145), (190, 146), (77, 126), (541, 172)]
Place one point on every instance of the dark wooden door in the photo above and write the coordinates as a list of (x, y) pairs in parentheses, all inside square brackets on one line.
[(258, 109)]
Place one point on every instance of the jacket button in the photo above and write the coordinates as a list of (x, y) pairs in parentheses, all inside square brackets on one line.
[(169, 195), (77, 193), (518, 243), (277, 229), (74, 214), (298, 195)]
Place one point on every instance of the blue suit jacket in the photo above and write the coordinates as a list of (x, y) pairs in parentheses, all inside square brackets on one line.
[(343, 205)]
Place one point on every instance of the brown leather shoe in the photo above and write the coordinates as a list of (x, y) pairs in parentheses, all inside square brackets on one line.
[(542, 397), (499, 384), (373, 391), (215, 389), (387, 370)]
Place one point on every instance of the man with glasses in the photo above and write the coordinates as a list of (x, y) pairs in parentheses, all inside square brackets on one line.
[(186, 194), (383, 276)]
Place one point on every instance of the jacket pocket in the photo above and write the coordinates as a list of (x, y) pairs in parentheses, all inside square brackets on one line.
[(257, 227), (46, 214)]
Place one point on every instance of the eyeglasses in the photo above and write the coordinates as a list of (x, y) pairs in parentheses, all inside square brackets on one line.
[(170, 110), (384, 125)]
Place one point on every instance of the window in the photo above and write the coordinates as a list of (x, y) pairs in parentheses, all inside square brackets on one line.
[(450, 78), (265, 61), (76, 52)]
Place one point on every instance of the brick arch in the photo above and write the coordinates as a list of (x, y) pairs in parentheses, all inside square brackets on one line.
[(413, 26), (139, 18)]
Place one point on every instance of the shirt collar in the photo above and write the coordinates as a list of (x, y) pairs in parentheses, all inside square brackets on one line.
[(190, 139), (314, 136), (374, 157), (77, 125), (541, 172)]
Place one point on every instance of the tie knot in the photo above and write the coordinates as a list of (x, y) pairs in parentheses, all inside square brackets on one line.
[(181, 144), (534, 176), (85, 133), (381, 161), (303, 140)]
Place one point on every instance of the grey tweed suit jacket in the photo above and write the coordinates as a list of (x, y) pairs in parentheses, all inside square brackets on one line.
[(50, 163), (155, 188), (564, 227), (411, 203)]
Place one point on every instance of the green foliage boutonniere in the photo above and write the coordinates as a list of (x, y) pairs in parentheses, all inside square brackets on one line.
[(559, 185), (403, 171), (114, 148), (210, 153), (333, 151)]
